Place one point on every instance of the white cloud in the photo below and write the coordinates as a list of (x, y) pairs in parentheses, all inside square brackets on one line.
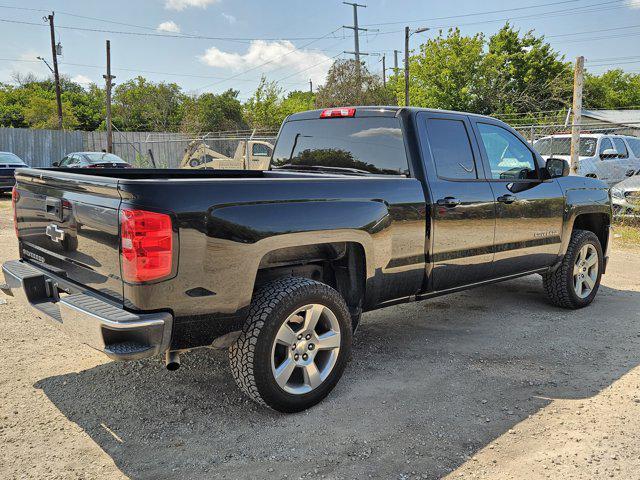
[(280, 55), (229, 18), (182, 4), (633, 3), (168, 26), (27, 64), (82, 80)]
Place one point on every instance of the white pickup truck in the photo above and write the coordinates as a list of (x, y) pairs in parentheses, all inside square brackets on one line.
[(249, 155), (610, 158)]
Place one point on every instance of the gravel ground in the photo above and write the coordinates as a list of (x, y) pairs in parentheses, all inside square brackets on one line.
[(490, 383)]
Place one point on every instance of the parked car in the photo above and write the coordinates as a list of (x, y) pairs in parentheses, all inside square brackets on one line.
[(626, 197), (91, 160), (8, 164), (365, 207), (610, 158)]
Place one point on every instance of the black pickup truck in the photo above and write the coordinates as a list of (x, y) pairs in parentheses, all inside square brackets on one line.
[(362, 208)]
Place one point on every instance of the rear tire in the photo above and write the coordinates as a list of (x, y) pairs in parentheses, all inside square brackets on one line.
[(574, 284), (294, 345)]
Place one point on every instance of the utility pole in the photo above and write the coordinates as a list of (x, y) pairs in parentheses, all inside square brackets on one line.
[(407, 34), (310, 86), (406, 66), (56, 76), (356, 37), (109, 83), (384, 71), (395, 61), (578, 82)]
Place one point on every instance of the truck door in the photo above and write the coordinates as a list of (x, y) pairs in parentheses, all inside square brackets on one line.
[(606, 167), (529, 211), (462, 207), (623, 164)]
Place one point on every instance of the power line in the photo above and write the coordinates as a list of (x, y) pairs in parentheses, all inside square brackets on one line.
[(489, 12), (594, 7), (166, 35)]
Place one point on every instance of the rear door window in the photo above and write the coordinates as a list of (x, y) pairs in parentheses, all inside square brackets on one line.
[(360, 144), (634, 145), (451, 149)]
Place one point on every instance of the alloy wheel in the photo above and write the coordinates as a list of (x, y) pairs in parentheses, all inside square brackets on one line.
[(305, 349)]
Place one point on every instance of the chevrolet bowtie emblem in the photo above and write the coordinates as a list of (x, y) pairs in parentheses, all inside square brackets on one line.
[(55, 233)]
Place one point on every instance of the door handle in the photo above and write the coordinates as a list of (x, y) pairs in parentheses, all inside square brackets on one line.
[(448, 202), (508, 198)]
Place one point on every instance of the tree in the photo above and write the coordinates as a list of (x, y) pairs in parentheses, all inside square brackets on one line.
[(526, 73), (611, 90), (262, 109), (139, 104), (509, 73), (211, 112), (296, 101), (42, 112), (448, 73), (348, 85)]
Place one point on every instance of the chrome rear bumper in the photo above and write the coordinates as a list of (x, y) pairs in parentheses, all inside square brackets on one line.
[(88, 317)]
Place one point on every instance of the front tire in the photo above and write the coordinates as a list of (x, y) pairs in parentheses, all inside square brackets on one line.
[(574, 284), (294, 345)]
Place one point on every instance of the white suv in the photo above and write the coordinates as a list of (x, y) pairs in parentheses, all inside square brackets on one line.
[(611, 158)]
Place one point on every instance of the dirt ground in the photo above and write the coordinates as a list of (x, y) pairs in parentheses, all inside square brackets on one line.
[(491, 383)]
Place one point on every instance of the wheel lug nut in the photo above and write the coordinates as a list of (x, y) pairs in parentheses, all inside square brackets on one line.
[(296, 357), (305, 356), (308, 336), (311, 346), (300, 337), (293, 347)]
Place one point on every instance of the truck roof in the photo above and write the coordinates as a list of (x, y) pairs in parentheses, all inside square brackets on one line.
[(375, 111)]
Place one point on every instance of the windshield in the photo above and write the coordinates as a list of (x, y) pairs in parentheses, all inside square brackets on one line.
[(10, 159), (103, 158), (365, 144), (562, 146)]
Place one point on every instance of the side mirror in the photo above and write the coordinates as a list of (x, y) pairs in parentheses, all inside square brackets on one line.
[(55, 164), (608, 154), (557, 167)]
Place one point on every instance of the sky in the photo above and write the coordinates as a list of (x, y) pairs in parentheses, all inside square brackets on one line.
[(214, 45)]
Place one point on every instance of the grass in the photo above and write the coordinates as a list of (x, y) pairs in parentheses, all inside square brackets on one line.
[(627, 233)]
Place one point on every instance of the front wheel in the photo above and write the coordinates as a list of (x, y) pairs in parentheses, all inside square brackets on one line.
[(294, 345), (575, 282)]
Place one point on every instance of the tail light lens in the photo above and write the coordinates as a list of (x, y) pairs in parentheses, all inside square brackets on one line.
[(15, 196), (147, 245)]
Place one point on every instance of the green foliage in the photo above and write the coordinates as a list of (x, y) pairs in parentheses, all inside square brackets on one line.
[(266, 109), (508, 73), (611, 90), (347, 84), (210, 112), (139, 104)]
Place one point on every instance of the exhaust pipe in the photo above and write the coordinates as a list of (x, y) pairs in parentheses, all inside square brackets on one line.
[(172, 361)]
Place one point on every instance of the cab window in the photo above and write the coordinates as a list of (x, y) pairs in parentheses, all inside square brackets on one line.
[(509, 158), (605, 144), (260, 150), (621, 148)]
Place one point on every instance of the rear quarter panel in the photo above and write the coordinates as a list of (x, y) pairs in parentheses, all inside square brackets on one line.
[(227, 226)]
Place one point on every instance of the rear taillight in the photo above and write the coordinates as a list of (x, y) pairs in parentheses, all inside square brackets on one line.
[(147, 245), (338, 112), (15, 196)]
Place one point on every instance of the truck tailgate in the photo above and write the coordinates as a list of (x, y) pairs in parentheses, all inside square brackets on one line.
[(69, 225)]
